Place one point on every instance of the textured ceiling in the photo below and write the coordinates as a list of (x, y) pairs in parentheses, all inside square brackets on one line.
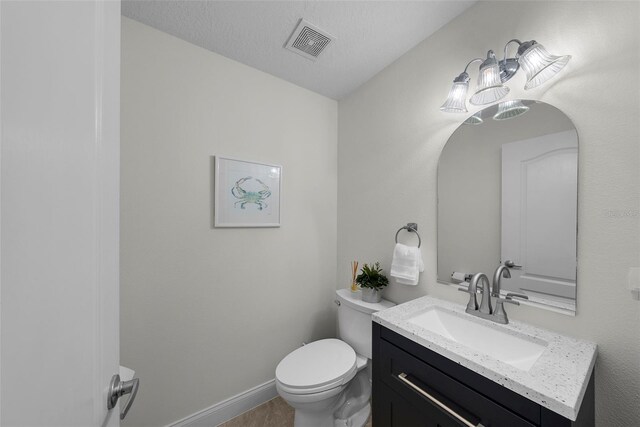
[(369, 34)]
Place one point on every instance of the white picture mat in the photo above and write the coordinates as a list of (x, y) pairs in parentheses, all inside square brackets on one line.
[(228, 211)]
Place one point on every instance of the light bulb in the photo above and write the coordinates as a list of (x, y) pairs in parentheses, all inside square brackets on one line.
[(457, 99), (490, 87)]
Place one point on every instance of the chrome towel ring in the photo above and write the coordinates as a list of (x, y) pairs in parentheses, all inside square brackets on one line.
[(411, 227)]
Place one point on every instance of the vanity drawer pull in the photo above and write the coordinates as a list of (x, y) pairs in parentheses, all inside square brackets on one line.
[(403, 378)]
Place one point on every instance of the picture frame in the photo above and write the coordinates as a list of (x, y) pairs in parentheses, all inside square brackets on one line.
[(246, 193)]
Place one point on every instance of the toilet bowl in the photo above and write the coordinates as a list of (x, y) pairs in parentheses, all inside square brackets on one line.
[(327, 381)]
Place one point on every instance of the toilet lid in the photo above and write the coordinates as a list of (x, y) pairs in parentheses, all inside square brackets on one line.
[(318, 366)]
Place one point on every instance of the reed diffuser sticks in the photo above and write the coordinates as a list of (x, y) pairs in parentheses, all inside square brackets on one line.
[(354, 273)]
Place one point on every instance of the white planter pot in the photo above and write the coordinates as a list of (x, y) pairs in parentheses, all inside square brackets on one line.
[(371, 295)]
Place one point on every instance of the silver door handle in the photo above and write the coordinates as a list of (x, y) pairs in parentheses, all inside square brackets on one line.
[(511, 264), (403, 378), (119, 388)]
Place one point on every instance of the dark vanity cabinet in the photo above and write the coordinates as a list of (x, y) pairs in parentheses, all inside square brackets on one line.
[(414, 386)]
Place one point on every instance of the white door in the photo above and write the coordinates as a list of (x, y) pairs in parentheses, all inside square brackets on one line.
[(59, 184), (539, 214)]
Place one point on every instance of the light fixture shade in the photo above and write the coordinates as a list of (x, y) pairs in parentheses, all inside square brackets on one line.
[(457, 99), (490, 87), (476, 119), (510, 109), (539, 64)]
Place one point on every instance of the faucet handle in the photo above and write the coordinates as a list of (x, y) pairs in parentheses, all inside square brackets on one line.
[(466, 290), (499, 315), (472, 305), (521, 296), (510, 298), (507, 300)]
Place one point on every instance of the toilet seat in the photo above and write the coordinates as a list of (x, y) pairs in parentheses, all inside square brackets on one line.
[(317, 367)]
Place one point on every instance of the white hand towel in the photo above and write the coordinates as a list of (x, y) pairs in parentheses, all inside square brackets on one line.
[(407, 264)]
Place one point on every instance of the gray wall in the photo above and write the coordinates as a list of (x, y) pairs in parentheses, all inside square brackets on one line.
[(208, 313), (391, 134)]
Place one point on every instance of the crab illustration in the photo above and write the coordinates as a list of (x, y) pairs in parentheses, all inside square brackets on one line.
[(247, 196)]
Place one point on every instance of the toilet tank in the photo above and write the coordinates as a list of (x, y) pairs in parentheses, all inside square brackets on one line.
[(354, 320)]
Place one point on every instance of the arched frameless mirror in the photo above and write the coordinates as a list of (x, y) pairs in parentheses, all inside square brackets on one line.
[(507, 193)]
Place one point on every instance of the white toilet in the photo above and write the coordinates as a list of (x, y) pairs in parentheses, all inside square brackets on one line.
[(326, 381)]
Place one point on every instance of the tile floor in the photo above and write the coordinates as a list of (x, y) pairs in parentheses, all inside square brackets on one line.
[(274, 413)]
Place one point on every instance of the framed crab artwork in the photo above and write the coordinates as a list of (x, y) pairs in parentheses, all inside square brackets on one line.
[(246, 194)]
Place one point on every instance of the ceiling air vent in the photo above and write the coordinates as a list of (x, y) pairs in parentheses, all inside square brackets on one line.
[(308, 40)]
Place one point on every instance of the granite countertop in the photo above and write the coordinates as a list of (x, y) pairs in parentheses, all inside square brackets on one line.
[(557, 380)]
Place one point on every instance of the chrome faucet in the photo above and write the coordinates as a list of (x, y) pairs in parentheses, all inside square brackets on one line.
[(486, 310), (501, 271), (485, 304), (499, 315)]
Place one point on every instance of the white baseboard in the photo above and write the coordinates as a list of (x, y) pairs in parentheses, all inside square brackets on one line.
[(230, 408)]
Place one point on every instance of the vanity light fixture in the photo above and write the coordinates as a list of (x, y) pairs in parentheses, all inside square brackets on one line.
[(510, 109), (538, 64)]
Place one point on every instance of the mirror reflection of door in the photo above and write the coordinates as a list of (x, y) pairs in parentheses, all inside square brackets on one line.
[(539, 211)]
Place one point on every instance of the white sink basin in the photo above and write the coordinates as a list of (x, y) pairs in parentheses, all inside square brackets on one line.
[(518, 351)]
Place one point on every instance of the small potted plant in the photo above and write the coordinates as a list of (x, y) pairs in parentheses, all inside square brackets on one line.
[(372, 280)]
